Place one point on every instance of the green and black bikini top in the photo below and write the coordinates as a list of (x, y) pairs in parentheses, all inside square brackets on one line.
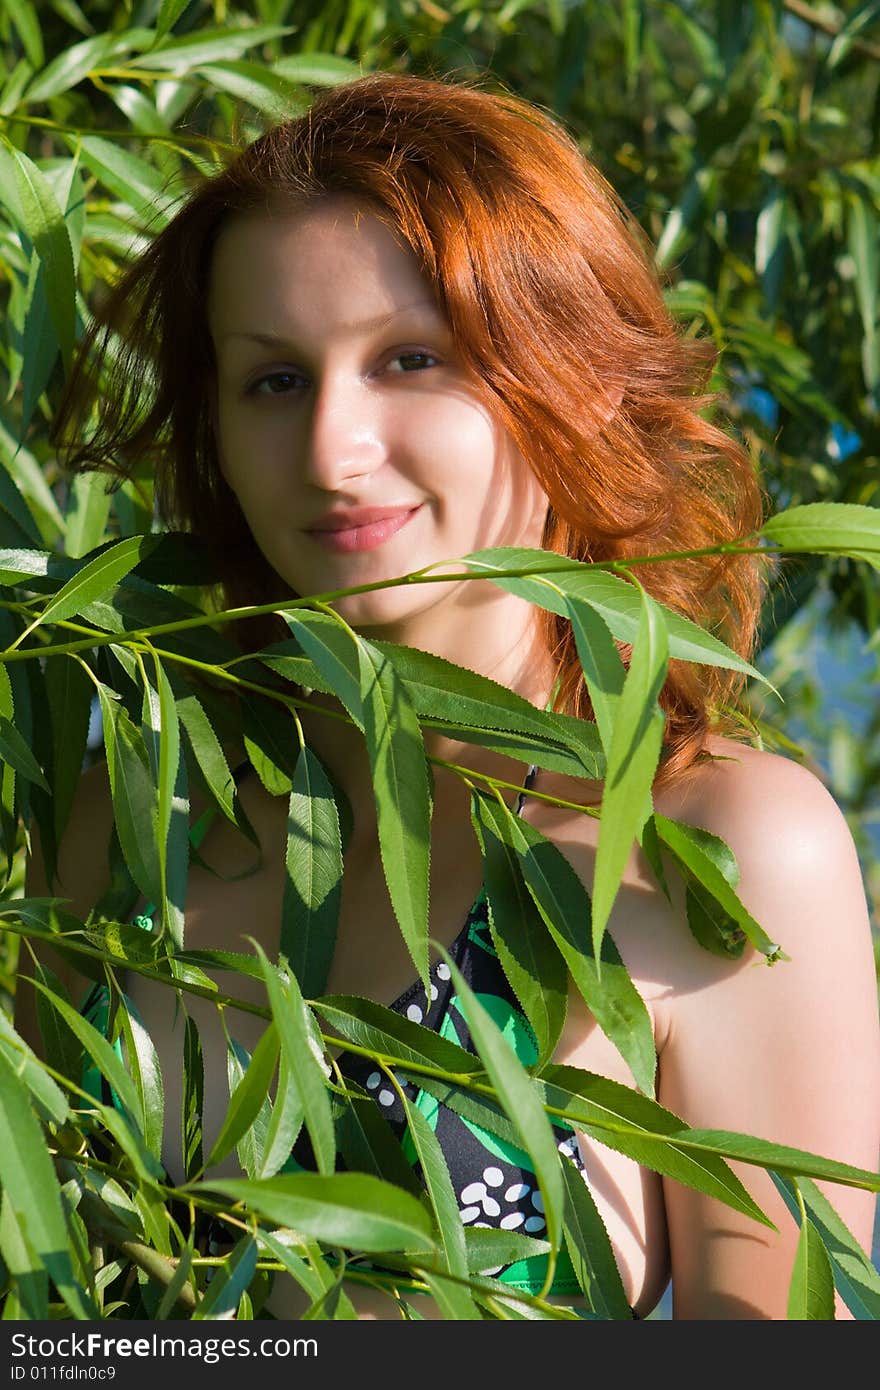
[(494, 1181)]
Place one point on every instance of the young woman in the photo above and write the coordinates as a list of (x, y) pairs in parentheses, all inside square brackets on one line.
[(409, 325)]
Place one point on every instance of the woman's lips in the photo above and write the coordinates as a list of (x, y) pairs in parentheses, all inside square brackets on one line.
[(348, 535)]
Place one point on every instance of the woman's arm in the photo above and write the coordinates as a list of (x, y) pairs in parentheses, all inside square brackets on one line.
[(790, 1052)]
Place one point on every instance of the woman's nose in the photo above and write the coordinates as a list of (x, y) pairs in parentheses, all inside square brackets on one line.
[(345, 434)]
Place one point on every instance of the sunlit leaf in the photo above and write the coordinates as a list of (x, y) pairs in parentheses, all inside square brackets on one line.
[(45, 225), (73, 64), (614, 599), (633, 758), (285, 1122), (811, 1292), (313, 880), (142, 1061), (380, 1029), (355, 1210), (300, 1045), (265, 88), (708, 867), (28, 1180), (192, 1100), (134, 795), (855, 1276), (528, 954), (95, 578), (248, 1098), (590, 1249), (565, 906), (221, 1298), (828, 528), (634, 1125), (180, 55), (403, 797)]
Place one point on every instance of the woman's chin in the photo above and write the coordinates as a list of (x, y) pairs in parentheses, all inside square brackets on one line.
[(394, 615)]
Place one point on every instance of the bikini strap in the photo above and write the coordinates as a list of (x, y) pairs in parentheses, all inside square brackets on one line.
[(526, 787)]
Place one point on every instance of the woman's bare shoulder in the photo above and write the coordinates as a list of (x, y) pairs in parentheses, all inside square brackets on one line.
[(776, 815)]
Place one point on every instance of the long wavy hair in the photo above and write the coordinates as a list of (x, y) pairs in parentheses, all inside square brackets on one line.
[(549, 286)]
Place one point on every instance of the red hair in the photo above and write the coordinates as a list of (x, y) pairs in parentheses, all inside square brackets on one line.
[(549, 286)]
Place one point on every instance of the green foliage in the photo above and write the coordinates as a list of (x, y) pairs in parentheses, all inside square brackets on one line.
[(746, 140)]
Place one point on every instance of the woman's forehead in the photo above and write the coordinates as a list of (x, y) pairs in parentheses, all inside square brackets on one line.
[(329, 261)]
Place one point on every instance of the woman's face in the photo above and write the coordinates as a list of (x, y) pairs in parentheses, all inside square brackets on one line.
[(357, 445)]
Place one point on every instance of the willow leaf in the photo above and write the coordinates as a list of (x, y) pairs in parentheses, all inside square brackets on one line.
[(87, 513), (452, 695), (811, 1292), (248, 1098), (382, 1030), (49, 1098), (285, 1122), (855, 1276), (296, 1030), (208, 752), (634, 1125), (262, 87), (317, 69), (632, 763), (268, 732), (827, 528), (516, 1093), (172, 811), (134, 795), (101, 1053), (702, 864), (445, 1206), (129, 177), (590, 1249), (29, 1279), (489, 1246), (23, 14), (748, 1148), (94, 579), (143, 1065), (15, 752), (335, 652), (28, 1180), (565, 906), (403, 798), (180, 55), (73, 64), (45, 225), (368, 1144), (313, 878), (528, 954), (192, 1100), (230, 1281), (354, 1210), (169, 13), (250, 1146), (615, 599), (600, 661)]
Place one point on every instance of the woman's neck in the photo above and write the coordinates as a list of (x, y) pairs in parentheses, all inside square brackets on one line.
[(511, 652)]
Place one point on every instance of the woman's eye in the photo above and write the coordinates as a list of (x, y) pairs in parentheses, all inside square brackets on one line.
[(274, 384), (414, 361)]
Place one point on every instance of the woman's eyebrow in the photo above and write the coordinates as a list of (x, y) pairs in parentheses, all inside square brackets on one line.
[(362, 326)]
